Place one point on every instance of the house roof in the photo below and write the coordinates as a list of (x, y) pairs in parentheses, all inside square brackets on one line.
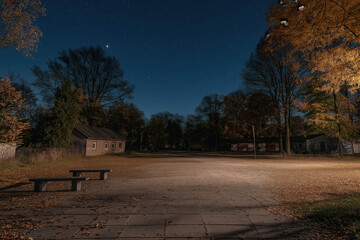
[(97, 132)]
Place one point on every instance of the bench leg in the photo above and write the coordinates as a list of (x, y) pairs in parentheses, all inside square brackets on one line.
[(103, 175), (76, 174), (75, 185), (40, 186)]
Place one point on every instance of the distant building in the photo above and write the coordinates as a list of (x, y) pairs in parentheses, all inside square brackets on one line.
[(314, 144), (262, 145), (92, 141), (320, 144)]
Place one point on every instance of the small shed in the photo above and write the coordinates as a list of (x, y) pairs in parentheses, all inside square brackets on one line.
[(321, 144), (92, 141)]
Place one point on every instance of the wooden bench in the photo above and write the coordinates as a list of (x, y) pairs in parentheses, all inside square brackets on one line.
[(41, 183), (103, 172)]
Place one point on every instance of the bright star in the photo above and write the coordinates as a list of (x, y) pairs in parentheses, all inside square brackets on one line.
[(107, 46)]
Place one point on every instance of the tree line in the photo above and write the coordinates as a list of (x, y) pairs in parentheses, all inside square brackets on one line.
[(302, 78)]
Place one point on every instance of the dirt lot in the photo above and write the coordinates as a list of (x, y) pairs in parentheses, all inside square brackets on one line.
[(289, 181)]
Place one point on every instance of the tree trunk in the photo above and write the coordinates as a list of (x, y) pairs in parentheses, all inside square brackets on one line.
[(336, 110), (281, 145), (346, 94), (287, 134)]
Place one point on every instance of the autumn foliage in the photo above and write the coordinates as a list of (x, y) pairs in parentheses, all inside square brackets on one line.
[(18, 24), (11, 103)]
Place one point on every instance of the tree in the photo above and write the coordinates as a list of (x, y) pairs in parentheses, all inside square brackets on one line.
[(242, 110), (11, 104), (273, 74), (312, 25), (235, 125), (175, 130), (30, 100), (18, 24), (157, 132), (128, 121), (325, 34), (195, 131), (260, 113), (64, 115), (165, 130), (211, 110), (329, 113), (98, 77)]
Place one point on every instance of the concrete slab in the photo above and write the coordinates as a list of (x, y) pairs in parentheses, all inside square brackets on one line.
[(184, 219), (231, 232), (101, 231), (190, 231), (111, 219), (225, 219), (142, 231), (147, 219)]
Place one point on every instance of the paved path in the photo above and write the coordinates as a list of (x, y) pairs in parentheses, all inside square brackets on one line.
[(177, 199)]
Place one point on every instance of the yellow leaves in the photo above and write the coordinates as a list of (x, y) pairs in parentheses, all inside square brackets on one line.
[(326, 34), (338, 65), (11, 102), (17, 24)]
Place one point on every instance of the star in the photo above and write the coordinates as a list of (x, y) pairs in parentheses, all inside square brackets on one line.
[(107, 46)]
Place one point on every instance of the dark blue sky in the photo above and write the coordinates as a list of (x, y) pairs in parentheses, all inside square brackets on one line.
[(173, 51)]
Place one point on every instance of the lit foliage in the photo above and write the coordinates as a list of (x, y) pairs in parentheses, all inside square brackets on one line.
[(11, 104), (326, 35), (322, 117), (17, 24)]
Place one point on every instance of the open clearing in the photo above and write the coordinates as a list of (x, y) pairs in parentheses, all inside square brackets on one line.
[(174, 196)]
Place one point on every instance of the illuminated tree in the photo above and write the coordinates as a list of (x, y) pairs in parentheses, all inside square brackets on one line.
[(18, 24), (325, 36), (325, 33), (329, 113), (11, 104)]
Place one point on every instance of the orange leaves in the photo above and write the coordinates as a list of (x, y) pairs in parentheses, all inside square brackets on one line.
[(11, 103), (17, 23), (325, 34)]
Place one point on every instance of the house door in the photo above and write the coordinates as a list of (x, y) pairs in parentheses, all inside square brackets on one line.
[(322, 147)]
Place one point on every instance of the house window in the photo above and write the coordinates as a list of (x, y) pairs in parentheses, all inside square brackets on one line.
[(120, 145), (94, 145), (113, 145), (106, 145)]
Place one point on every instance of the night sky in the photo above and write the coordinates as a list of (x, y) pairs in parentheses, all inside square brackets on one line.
[(174, 51)]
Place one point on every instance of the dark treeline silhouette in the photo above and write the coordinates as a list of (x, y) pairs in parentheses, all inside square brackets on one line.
[(86, 86)]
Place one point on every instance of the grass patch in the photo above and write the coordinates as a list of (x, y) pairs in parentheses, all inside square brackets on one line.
[(341, 215)]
